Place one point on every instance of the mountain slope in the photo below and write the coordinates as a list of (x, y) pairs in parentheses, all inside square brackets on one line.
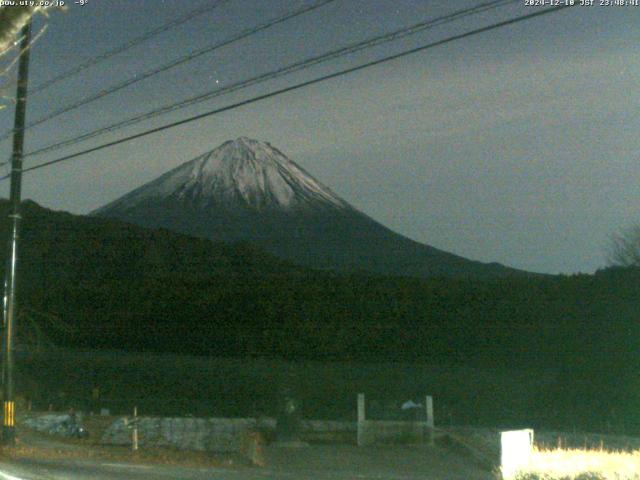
[(97, 283), (119, 286), (246, 190)]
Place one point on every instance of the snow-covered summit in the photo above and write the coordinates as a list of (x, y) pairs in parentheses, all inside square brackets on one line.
[(249, 191), (241, 172)]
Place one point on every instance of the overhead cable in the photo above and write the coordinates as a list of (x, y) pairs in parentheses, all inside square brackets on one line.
[(301, 85), (155, 71), (128, 45), (297, 66)]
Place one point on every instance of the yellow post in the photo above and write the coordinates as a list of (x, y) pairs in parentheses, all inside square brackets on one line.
[(9, 414)]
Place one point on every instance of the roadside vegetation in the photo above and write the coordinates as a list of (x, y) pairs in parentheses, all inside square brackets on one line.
[(580, 464), (560, 350)]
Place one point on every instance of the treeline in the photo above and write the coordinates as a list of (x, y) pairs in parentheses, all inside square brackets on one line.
[(121, 286), (94, 283)]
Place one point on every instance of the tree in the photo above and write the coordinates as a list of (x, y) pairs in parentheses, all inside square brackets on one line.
[(625, 248), (12, 19)]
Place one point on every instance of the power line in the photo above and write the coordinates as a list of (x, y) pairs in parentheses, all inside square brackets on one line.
[(301, 65), (301, 85), (128, 45), (184, 59)]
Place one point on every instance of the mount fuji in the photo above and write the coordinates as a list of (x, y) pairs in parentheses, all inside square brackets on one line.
[(247, 190)]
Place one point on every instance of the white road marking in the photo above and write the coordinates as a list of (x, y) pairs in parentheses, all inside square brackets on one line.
[(6, 476), (126, 465)]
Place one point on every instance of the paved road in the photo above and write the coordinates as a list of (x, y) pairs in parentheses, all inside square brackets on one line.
[(85, 470), (48, 470), (316, 463)]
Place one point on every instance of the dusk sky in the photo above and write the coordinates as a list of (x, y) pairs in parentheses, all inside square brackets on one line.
[(519, 145)]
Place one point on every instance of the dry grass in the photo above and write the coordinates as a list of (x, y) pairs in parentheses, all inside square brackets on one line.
[(37, 445), (580, 464)]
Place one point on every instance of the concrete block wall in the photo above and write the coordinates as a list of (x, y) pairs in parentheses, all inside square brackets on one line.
[(205, 434), (184, 433), (52, 423), (200, 434)]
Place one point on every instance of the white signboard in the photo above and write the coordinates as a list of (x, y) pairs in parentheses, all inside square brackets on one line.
[(516, 448)]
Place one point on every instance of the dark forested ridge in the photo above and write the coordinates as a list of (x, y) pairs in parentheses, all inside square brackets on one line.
[(94, 283), (121, 286)]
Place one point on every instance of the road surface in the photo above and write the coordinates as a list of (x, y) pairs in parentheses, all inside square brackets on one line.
[(325, 462)]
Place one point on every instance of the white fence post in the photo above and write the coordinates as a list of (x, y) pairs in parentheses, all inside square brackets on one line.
[(134, 434), (430, 421), (361, 418)]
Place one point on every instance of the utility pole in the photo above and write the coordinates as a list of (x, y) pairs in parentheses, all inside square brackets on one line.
[(8, 423)]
